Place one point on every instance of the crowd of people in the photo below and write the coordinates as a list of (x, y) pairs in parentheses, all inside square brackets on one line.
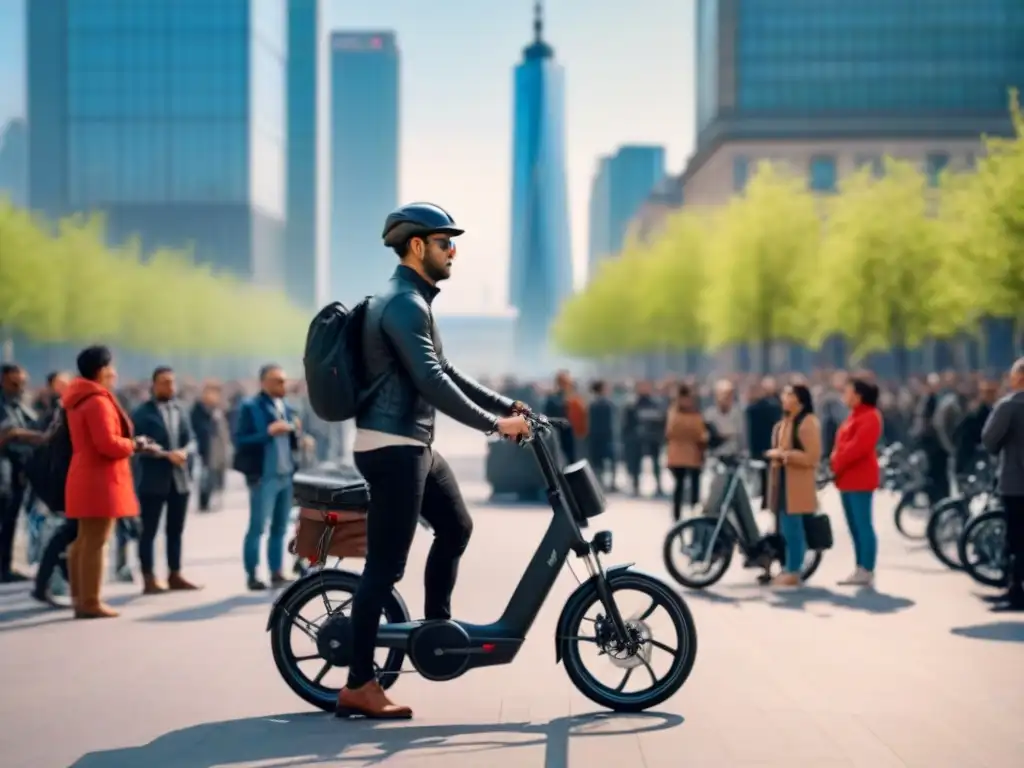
[(797, 426), (157, 448), (137, 457)]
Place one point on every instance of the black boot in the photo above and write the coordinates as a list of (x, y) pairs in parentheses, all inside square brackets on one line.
[(1013, 600)]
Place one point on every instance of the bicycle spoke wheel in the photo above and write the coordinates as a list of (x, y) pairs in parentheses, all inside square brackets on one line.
[(983, 549), (311, 640), (649, 664), (691, 558)]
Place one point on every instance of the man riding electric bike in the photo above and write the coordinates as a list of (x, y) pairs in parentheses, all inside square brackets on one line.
[(402, 354)]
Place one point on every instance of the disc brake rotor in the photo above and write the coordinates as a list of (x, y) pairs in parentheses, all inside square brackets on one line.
[(635, 652)]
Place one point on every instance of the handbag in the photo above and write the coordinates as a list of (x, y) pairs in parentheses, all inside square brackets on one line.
[(818, 531)]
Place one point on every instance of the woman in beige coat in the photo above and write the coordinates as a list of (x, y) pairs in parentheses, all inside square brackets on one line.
[(687, 436), (792, 491)]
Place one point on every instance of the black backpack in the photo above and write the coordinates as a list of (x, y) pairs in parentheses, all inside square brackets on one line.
[(47, 467), (333, 362)]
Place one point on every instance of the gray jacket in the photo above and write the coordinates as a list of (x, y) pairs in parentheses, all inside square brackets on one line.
[(1003, 434)]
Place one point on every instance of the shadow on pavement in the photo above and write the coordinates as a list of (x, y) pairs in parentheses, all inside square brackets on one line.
[(277, 742), (867, 600), (1000, 631), (214, 610), (35, 609)]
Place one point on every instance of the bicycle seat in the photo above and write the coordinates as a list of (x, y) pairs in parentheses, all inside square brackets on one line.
[(330, 488)]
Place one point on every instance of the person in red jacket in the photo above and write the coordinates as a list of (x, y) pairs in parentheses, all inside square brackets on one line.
[(99, 487), (855, 467)]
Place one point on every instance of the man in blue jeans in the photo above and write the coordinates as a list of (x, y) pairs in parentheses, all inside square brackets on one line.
[(266, 443)]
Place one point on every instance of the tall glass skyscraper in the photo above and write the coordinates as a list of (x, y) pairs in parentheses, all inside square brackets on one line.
[(768, 65), (622, 184), (14, 161), (167, 115), (920, 80), (541, 260), (307, 235), (364, 160)]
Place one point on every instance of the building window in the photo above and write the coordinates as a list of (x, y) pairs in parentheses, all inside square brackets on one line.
[(935, 164), (823, 173), (740, 172), (874, 162)]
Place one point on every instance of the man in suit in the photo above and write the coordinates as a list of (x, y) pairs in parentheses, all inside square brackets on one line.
[(267, 435), (164, 479)]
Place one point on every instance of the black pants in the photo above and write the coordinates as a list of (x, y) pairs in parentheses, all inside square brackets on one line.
[(1014, 506), (405, 482), (10, 506), (53, 555), (938, 474), (602, 459), (645, 449), (150, 509), (681, 493)]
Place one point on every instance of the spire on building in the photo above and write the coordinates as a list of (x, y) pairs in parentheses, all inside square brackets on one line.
[(538, 49)]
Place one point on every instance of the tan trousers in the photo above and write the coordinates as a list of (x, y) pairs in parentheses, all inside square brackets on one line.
[(85, 561)]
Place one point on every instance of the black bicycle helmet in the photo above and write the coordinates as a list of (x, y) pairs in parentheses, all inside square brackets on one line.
[(417, 219)]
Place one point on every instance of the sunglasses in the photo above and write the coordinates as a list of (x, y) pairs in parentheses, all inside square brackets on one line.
[(444, 243)]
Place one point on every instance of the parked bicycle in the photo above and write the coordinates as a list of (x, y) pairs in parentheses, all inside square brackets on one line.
[(910, 479), (697, 552), (975, 494), (982, 548)]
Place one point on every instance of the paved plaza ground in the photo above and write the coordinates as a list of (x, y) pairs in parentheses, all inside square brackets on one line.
[(914, 673)]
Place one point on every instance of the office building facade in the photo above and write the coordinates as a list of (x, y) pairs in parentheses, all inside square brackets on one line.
[(307, 233), (598, 213), (541, 259), (169, 117), (827, 86), (665, 199), (14, 162), (364, 159), (622, 183)]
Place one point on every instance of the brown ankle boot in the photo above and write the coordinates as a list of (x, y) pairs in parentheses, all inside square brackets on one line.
[(178, 582), (151, 585), (371, 702)]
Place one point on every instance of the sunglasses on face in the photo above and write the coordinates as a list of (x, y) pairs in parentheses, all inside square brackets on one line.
[(444, 243)]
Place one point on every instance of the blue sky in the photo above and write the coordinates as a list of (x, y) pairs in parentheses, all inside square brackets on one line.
[(629, 79)]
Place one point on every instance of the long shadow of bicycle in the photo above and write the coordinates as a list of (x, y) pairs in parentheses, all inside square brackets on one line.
[(278, 741)]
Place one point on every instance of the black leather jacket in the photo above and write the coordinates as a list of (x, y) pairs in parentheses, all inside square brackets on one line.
[(401, 343)]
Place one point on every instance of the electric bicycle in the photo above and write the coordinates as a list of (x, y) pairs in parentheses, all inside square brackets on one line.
[(709, 541), (445, 650)]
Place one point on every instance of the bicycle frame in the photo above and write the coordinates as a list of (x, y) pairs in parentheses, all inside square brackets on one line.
[(741, 521), (499, 641)]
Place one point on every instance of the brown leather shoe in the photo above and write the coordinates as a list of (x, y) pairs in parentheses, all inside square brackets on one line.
[(371, 702), (178, 582), (101, 611), (151, 585)]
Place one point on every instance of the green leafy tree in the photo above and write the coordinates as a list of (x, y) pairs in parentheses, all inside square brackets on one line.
[(884, 281), (761, 258), (671, 284), (985, 228)]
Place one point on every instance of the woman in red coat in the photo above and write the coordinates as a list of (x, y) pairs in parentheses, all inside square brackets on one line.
[(855, 466), (99, 486)]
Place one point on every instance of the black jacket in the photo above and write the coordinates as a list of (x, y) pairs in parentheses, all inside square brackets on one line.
[(156, 475), (401, 344), (762, 416)]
